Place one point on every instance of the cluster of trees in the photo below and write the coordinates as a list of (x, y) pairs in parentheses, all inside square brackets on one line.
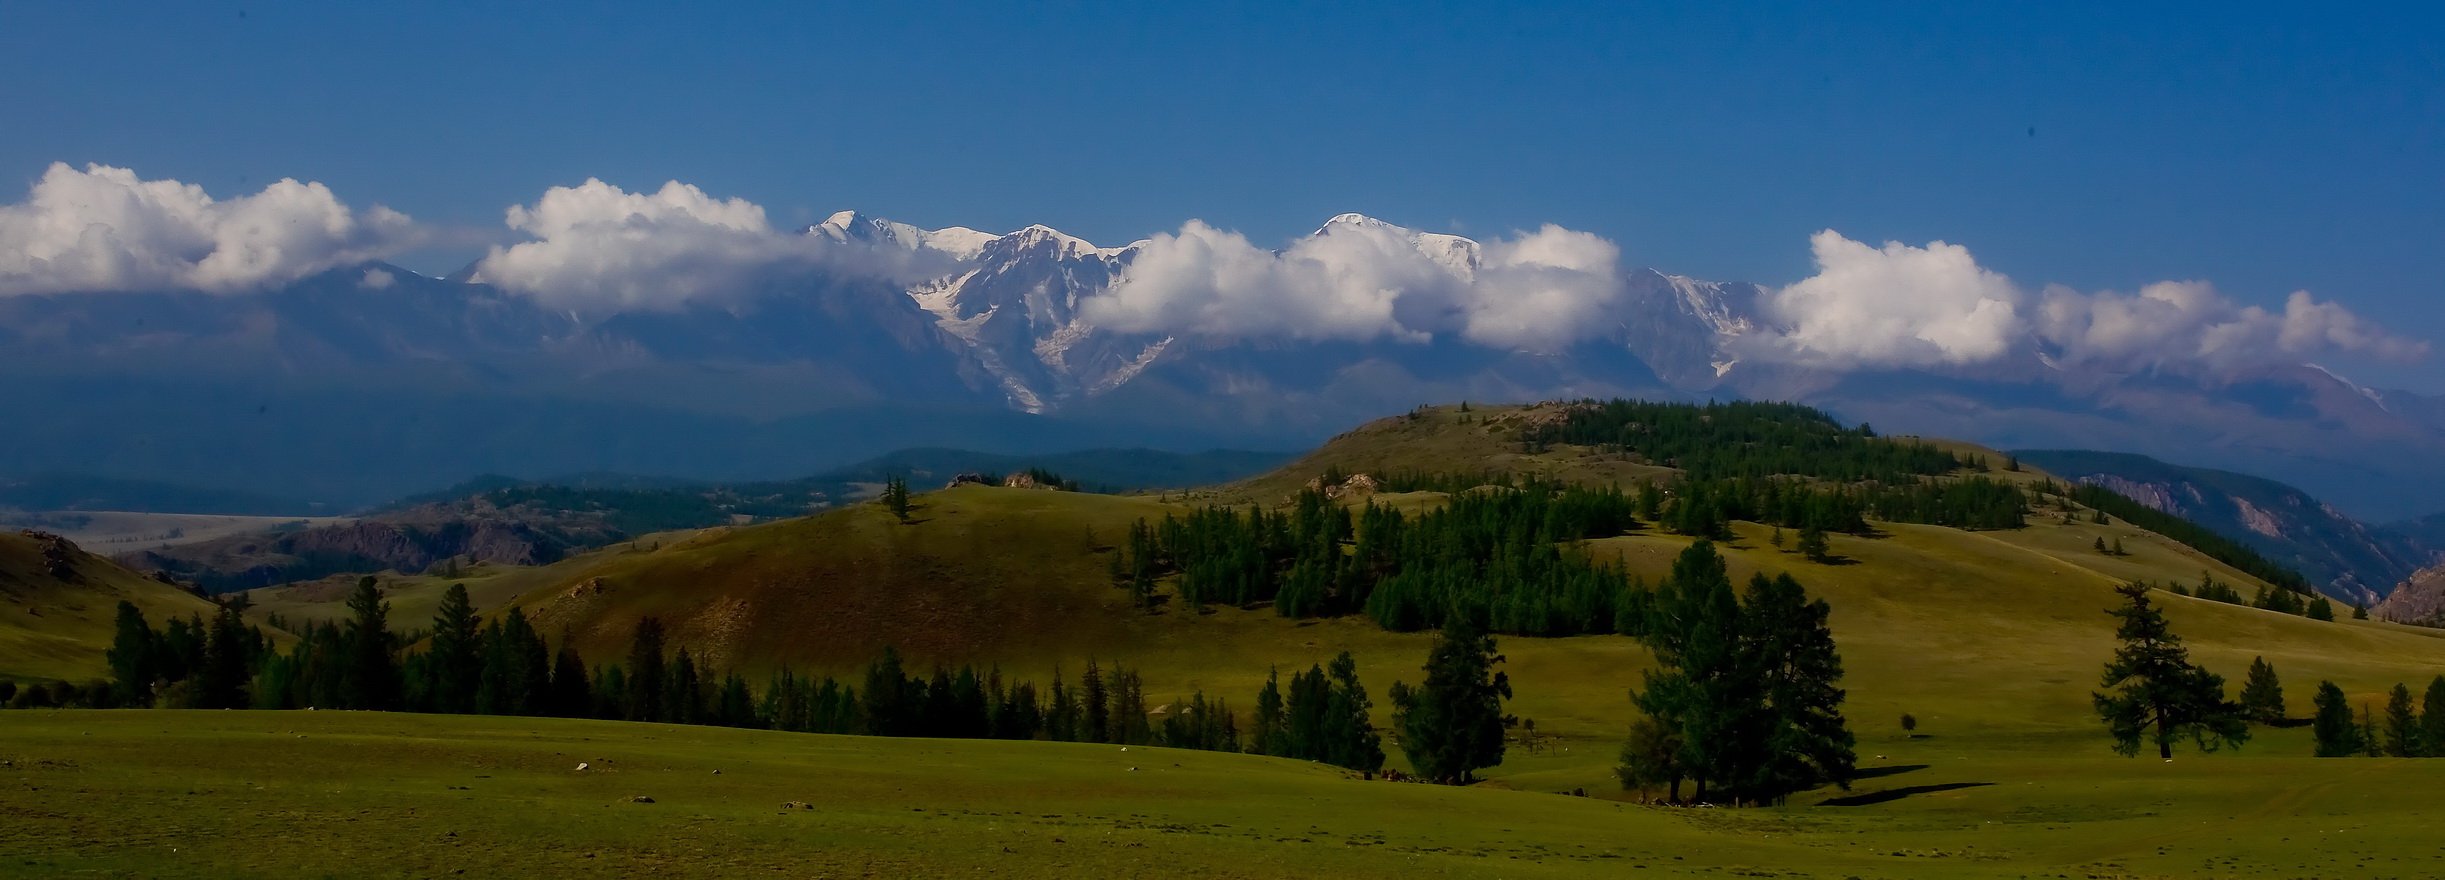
[(190, 664), (1746, 699), (1705, 508), (2314, 606), (1323, 717), (2402, 732), (1494, 554), (1744, 439)]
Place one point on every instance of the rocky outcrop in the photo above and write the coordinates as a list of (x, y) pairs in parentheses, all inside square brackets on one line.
[(2418, 599)]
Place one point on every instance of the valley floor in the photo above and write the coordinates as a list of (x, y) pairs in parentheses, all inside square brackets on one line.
[(160, 793)]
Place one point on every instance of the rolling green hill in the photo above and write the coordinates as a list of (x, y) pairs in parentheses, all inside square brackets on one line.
[(1991, 640)]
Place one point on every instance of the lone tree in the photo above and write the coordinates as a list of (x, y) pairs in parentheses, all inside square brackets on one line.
[(895, 497), (2153, 692), (1813, 545), (2262, 696), (2338, 736), (1453, 724)]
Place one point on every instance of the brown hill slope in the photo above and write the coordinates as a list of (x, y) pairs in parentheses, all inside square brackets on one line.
[(57, 602)]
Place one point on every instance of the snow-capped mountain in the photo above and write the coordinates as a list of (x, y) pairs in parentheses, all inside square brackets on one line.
[(982, 339)]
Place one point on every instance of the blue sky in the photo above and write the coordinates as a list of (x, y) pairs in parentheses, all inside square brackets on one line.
[(2265, 148)]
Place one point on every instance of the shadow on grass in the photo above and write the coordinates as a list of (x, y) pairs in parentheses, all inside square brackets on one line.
[(1882, 772), (1894, 794)]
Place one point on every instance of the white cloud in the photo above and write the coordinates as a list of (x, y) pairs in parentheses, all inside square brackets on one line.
[(598, 246), (1892, 306), (1904, 306), (377, 279), (104, 229), (1364, 280), (2177, 323)]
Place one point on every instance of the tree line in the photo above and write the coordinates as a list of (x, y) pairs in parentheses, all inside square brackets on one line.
[(1743, 439)]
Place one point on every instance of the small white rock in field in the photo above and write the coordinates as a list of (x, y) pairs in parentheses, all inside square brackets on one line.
[(581, 765)]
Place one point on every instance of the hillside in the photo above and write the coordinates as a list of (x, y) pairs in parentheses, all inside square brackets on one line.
[(2341, 555), (504, 521), (57, 603), (1996, 634)]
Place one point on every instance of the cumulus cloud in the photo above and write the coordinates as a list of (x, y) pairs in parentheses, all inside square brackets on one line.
[(1364, 280), (2174, 323), (104, 229), (1897, 305), (377, 279), (1905, 306), (600, 247)]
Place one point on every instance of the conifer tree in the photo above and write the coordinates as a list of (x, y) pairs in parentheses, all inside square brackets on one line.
[(1808, 743), (371, 680), (1095, 706), (2402, 727), (2262, 695), (2369, 738), (2321, 609), (2432, 719), (895, 497), (1061, 716), (1813, 544), (645, 678), (683, 695), (1453, 723), (454, 664), (1271, 722), (888, 712), (1350, 738), (2360, 611), (2337, 735), (134, 664), (2153, 692)]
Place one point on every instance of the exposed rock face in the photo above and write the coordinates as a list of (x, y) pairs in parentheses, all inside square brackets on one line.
[(59, 554), (1021, 481), (2419, 599), (1358, 485), (2342, 556)]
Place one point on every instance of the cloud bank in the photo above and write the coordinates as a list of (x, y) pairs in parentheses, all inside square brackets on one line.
[(1904, 306), (104, 229), (1361, 280), (601, 248)]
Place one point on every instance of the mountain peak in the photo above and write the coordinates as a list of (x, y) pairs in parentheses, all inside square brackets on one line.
[(1355, 220)]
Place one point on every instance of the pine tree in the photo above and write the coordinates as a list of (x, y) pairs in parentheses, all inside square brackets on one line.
[(895, 497), (1271, 722), (2360, 611), (645, 676), (2432, 719), (229, 660), (2321, 609), (683, 695), (2336, 734), (1813, 544), (572, 697), (2153, 691), (1350, 738), (2262, 696), (1453, 723), (2402, 730), (134, 664), (1095, 706), (888, 712), (454, 665), (1809, 743), (371, 680), (2369, 737)]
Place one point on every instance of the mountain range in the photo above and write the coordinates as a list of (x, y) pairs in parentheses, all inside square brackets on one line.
[(371, 381)]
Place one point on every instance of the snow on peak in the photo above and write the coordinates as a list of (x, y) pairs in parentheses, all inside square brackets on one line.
[(959, 242), (1065, 244), (1361, 221)]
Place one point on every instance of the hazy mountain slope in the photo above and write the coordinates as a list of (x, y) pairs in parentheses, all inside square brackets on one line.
[(347, 392), (2343, 556)]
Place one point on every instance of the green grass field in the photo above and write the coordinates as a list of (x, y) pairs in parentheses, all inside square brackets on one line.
[(156, 793)]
